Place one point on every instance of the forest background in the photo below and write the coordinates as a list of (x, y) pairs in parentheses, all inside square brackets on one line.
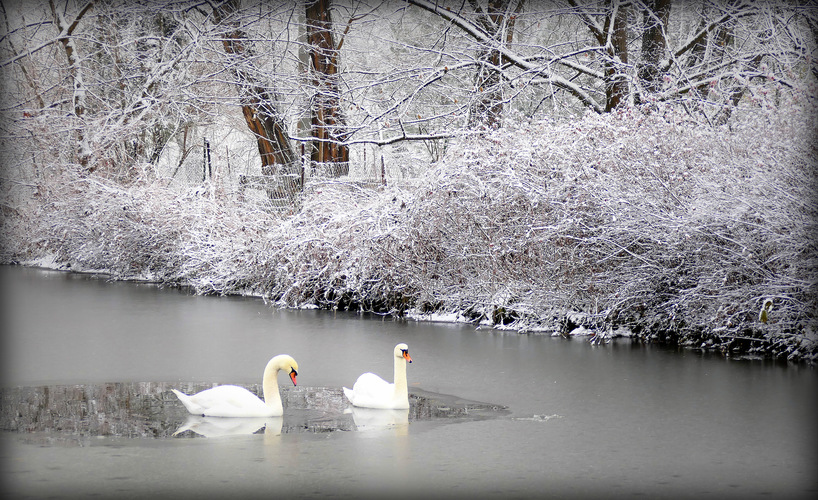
[(606, 168)]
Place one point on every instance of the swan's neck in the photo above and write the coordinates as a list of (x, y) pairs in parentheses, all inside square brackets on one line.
[(269, 385), (401, 388)]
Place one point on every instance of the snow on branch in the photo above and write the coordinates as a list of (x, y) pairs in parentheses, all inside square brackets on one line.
[(484, 38)]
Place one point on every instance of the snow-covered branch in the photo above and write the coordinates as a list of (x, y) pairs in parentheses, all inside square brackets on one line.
[(510, 57)]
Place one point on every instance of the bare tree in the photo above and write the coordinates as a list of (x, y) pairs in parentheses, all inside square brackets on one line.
[(116, 82), (706, 56), (397, 77)]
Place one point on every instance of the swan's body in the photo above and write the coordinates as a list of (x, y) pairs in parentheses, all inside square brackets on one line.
[(235, 401), (371, 391)]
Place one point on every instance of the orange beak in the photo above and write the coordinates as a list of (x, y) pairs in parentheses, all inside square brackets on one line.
[(406, 356), (292, 376)]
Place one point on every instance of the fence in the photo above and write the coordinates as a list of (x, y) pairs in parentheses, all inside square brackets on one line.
[(238, 173)]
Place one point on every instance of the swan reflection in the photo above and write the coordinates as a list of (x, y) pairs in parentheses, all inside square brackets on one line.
[(213, 427), (370, 419)]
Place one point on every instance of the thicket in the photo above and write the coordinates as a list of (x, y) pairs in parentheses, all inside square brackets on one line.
[(634, 222)]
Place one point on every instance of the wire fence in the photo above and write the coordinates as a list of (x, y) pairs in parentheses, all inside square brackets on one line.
[(238, 174)]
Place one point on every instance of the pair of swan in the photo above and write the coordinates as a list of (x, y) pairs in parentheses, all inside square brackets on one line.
[(369, 391)]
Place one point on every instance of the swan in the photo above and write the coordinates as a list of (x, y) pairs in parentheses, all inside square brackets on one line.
[(371, 391), (234, 401)]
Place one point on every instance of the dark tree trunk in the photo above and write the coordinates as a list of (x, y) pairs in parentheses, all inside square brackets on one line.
[(615, 56), (616, 85), (327, 120), (654, 44)]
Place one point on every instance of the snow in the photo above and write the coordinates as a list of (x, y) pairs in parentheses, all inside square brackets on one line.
[(631, 225), (47, 261)]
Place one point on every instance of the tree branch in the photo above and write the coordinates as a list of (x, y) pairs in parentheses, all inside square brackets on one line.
[(509, 56)]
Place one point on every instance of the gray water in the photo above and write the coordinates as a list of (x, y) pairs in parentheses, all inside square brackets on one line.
[(533, 415)]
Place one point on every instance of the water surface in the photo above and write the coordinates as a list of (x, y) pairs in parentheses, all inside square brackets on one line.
[(617, 420)]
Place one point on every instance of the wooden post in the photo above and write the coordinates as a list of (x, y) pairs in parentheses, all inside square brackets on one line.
[(206, 168)]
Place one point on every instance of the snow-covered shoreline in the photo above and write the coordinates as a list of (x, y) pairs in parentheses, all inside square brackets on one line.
[(632, 224)]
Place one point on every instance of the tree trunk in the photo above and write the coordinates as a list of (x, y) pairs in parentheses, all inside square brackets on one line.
[(654, 44), (79, 92), (735, 94), (616, 84), (278, 158), (487, 108), (327, 120), (613, 37)]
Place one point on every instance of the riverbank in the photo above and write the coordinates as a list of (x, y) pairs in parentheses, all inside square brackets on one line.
[(625, 224)]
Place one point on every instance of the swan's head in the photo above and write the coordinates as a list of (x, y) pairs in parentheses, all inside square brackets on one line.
[(402, 351), (288, 364)]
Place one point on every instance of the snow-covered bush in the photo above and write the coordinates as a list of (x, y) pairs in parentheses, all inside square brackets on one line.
[(675, 231), (635, 222)]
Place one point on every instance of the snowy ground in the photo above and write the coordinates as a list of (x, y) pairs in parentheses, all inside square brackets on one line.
[(623, 224)]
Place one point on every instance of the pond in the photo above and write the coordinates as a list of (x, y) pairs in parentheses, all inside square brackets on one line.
[(88, 364)]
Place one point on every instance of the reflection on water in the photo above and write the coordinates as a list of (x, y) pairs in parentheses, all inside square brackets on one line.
[(369, 419), (150, 410), (223, 426)]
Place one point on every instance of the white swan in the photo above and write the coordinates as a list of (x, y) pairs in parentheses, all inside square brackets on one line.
[(234, 401), (371, 391)]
